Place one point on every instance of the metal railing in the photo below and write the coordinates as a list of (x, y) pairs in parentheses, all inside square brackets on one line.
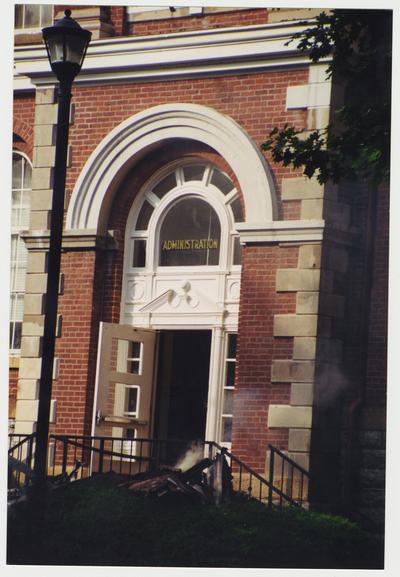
[(84, 456), (288, 481), (20, 460)]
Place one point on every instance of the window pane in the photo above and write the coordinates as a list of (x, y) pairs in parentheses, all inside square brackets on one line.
[(227, 429), (237, 210), (232, 342), (194, 172), (228, 402), (221, 181), (32, 12), (144, 216), (134, 349), (165, 185), (139, 253), (15, 334), (16, 171), (230, 374), (190, 235), (133, 367), (131, 400), (237, 251), (47, 15), (18, 15)]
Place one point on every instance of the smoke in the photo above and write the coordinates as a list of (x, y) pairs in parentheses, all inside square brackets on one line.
[(192, 456), (331, 385)]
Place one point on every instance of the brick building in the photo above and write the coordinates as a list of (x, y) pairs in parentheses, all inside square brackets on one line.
[(250, 299)]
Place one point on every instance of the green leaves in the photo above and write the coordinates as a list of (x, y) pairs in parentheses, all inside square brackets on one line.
[(357, 140)]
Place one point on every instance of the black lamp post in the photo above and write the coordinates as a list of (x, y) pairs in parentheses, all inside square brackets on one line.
[(66, 44)]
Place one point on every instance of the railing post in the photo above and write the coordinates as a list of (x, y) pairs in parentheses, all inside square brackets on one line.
[(29, 457), (101, 455), (65, 455), (271, 475)]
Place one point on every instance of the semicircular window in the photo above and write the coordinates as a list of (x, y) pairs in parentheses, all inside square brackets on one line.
[(190, 234)]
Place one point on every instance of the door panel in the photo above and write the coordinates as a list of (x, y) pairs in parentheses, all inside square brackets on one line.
[(124, 381)]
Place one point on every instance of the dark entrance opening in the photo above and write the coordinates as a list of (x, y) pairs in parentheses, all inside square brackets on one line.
[(182, 385)]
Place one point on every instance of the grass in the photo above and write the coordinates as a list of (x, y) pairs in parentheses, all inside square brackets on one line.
[(93, 522)]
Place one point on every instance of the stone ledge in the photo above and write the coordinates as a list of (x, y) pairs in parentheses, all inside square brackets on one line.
[(289, 417)]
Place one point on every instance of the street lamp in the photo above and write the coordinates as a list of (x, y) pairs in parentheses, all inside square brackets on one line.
[(66, 44)]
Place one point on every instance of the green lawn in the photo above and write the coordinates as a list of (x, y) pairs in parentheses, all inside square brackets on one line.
[(93, 522)]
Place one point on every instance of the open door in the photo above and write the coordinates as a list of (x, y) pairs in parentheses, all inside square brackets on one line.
[(124, 385)]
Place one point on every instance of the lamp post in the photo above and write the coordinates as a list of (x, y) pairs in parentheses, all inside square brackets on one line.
[(66, 44)]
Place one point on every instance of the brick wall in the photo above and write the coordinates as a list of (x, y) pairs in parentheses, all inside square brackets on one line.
[(201, 22), (257, 347)]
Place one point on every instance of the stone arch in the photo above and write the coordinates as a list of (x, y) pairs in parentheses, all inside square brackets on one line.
[(147, 129)]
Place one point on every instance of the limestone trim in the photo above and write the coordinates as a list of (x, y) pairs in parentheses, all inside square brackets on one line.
[(133, 137), (281, 231), (72, 239), (217, 51)]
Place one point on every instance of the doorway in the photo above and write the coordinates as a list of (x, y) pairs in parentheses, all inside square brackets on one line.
[(182, 385)]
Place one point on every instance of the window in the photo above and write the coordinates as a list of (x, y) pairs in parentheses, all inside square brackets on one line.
[(21, 187), (190, 233), (31, 16), (229, 385)]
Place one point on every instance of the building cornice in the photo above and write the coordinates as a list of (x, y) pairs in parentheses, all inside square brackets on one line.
[(168, 56)]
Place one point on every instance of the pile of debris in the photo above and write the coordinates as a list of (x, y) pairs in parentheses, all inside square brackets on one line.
[(208, 481)]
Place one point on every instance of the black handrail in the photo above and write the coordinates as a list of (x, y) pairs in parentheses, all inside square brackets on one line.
[(287, 482)]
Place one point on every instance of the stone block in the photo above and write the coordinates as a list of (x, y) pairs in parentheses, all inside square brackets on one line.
[(43, 156), (26, 410), (37, 262), (28, 389), (289, 417), (302, 459), (304, 347), (42, 178), (24, 427), (302, 394), (36, 283), (307, 303), (299, 439), (318, 118), (53, 411), (294, 279), (41, 199), (300, 188), (30, 346), (310, 256), (40, 220), (45, 96), (33, 304), (33, 323), (29, 368), (44, 135), (287, 370), (312, 209), (297, 97), (46, 114), (317, 73), (295, 325)]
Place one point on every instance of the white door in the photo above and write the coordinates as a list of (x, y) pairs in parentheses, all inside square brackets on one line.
[(124, 382)]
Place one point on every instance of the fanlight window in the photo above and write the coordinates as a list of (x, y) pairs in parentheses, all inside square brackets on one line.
[(190, 233)]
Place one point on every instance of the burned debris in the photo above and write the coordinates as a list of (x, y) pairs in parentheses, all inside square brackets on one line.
[(208, 481)]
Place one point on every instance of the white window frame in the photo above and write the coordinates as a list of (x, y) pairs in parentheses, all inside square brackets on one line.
[(16, 232), (38, 28)]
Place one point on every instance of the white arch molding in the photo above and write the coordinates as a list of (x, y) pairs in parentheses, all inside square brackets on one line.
[(184, 121)]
